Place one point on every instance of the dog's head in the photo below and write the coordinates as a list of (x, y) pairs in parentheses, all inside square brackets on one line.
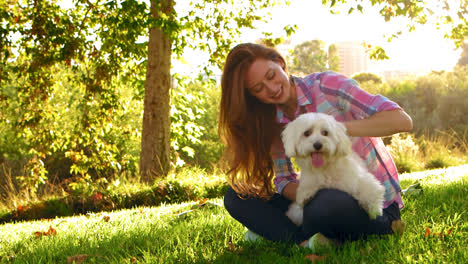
[(317, 135)]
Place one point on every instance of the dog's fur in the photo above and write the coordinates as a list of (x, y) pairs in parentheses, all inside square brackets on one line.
[(323, 152)]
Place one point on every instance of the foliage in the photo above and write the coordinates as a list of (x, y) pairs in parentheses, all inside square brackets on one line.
[(70, 145), (206, 26), (333, 58), (186, 110), (366, 77), (463, 61), (443, 149), (187, 185), (435, 102), (54, 41), (310, 56), (212, 26), (405, 153), (451, 17), (60, 68), (194, 113)]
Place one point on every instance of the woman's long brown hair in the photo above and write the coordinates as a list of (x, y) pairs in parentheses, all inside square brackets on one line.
[(246, 125)]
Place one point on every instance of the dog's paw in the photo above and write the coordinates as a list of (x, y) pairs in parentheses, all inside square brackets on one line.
[(295, 213)]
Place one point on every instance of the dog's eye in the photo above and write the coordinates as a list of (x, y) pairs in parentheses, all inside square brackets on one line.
[(324, 132), (307, 133)]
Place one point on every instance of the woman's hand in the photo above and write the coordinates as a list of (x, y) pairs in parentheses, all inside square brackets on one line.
[(380, 124)]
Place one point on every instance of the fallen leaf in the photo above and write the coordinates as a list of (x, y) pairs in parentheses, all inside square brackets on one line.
[(315, 258), (106, 218), (77, 259), (441, 235), (50, 232), (21, 208), (450, 231), (96, 197), (428, 232)]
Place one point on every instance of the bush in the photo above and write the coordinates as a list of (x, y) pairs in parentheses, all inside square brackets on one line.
[(405, 153), (367, 77), (442, 150), (435, 102), (196, 108), (78, 132)]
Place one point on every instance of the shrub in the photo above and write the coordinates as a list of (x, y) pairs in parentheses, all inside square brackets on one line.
[(78, 133), (442, 150), (367, 77), (405, 153), (197, 117)]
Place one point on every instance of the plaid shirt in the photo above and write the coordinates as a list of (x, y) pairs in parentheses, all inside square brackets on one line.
[(341, 97)]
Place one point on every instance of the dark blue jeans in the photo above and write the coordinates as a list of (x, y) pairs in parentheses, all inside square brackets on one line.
[(333, 213)]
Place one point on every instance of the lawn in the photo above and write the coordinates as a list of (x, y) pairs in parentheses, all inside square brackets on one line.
[(203, 232)]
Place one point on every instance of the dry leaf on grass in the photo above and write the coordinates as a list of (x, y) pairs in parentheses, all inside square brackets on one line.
[(77, 259), (440, 235), (21, 208), (50, 232), (97, 197), (314, 258)]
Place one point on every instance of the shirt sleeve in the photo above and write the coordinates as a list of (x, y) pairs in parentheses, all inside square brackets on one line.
[(349, 97), (284, 171)]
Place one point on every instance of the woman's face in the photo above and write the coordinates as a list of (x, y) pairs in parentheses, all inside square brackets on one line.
[(266, 80)]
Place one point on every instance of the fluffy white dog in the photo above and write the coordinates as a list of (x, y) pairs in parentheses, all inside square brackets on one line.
[(323, 152)]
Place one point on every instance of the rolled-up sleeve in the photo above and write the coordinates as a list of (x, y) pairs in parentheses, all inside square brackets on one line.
[(349, 97)]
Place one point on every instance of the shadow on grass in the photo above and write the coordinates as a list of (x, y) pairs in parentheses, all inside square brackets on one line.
[(170, 192)]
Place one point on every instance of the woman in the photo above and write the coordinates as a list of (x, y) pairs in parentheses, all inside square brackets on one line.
[(258, 99)]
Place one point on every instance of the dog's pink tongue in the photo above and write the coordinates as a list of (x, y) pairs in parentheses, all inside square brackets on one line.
[(317, 159)]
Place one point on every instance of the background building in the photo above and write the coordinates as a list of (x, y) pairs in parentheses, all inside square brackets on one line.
[(353, 57)]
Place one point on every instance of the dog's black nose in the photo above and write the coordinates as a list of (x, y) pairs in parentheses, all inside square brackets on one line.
[(317, 145)]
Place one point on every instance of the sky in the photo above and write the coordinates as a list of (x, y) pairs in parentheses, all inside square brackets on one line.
[(420, 51)]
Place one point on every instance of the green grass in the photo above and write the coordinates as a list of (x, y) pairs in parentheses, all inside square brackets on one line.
[(209, 235)]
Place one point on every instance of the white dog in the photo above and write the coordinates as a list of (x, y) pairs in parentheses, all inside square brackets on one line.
[(323, 152)]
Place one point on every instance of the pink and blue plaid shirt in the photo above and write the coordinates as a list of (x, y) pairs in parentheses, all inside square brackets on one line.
[(341, 97)]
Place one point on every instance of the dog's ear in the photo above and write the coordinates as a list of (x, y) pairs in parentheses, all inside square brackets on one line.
[(343, 146), (289, 138)]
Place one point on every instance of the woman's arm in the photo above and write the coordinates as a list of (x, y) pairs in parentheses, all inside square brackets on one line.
[(290, 190), (384, 123)]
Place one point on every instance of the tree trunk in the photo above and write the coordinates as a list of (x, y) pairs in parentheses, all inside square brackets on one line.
[(155, 138)]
